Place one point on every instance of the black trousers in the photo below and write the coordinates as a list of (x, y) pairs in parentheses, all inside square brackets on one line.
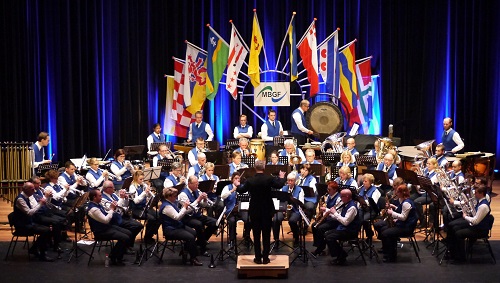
[(152, 223), (261, 224), (43, 233), (389, 237), (57, 222), (204, 226), (333, 239), (319, 233), (134, 227), (121, 235), (458, 230), (231, 223), (186, 234)]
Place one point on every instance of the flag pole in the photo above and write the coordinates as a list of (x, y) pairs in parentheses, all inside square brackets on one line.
[(242, 41), (196, 47), (178, 60), (347, 45), (363, 60), (284, 39), (328, 38), (305, 33), (220, 37), (260, 30)]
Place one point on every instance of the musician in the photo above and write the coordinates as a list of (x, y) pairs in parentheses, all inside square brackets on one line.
[(290, 150), (456, 172), (201, 161), (331, 199), (236, 164), (290, 187), (440, 157), (121, 169), (299, 130), (39, 149), (229, 196), (348, 227), (243, 149), (155, 136), (141, 205), (122, 203), (368, 213), (450, 138), (405, 219), (310, 157), (173, 227), (95, 175), (351, 143), (397, 158), (387, 165), (205, 226), (261, 208), (274, 159), (193, 153), (23, 220), (376, 148), (163, 153), (200, 129), (424, 198), (271, 128), (175, 176), (476, 226), (46, 217), (102, 224), (209, 175), (294, 218), (347, 159), (307, 179), (58, 192), (77, 184), (243, 130), (345, 177)]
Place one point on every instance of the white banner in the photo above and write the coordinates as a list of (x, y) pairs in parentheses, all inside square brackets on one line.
[(272, 94)]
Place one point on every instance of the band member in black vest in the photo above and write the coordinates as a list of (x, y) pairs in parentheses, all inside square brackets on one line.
[(204, 225), (173, 227), (261, 208), (105, 224), (476, 226), (327, 222), (348, 228), (23, 221)]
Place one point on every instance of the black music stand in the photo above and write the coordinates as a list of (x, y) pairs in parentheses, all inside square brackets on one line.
[(166, 163), (75, 209), (248, 160), (408, 175), (132, 151), (127, 182), (155, 145), (249, 172), (283, 159), (330, 158), (381, 177), (152, 202), (283, 198), (275, 169), (367, 160), (151, 173), (272, 148), (222, 171), (301, 250), (216, 157), (232, 144), (316, 169), (212, 145), (221, 185), (206, 186), (222, 226), (42, 168), (322, 189), (279, 141)]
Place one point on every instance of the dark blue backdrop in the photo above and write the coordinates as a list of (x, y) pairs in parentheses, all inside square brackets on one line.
[(91, 72)]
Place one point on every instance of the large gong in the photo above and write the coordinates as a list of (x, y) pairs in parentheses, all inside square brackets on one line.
[(325, 118)]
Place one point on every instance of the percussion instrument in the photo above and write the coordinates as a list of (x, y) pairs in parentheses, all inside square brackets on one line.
[(324, 118), (258, 146)]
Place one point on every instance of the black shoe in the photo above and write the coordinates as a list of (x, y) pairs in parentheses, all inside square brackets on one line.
[(257, 260), (317, 253), (296, 243), (195, 262), (205, 254), (45, 258), (389, 259), (34, 252), (130, 251), (339, 261), (266, 261)]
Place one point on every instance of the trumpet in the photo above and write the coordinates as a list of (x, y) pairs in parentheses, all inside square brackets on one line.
[(48, 200), (191, 209), (111, 176), (107, 205)]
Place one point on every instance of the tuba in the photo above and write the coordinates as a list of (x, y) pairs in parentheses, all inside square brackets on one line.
[(420, 159), (385, 145), (334, 143)]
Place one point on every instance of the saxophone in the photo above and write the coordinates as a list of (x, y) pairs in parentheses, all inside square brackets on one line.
[(386, 216)]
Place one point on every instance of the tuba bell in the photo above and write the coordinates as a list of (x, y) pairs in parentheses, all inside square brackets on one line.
[(385, 145), (295, 159), (334, 143)]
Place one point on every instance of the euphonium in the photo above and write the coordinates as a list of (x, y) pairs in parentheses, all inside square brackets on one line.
[(322, 203)]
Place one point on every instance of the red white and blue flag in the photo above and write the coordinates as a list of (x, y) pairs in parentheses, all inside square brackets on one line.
[(328, 62), (237, 55)]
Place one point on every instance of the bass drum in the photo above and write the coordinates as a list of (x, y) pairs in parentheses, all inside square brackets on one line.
[(325, 118)]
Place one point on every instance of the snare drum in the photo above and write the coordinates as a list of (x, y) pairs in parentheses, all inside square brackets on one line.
[(259, 147)]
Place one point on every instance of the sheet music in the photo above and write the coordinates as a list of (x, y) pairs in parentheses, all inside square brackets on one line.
[(306, 220), (276, 203), (221, 215), (244, 205)]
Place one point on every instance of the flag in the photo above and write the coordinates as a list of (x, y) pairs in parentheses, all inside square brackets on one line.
[(308, 51), (237, 54), (364, 78), (255, 48), (168, 122), (293, 50), (181, 116), (218, 51), (195, 78), (348, 83), (328, 62)]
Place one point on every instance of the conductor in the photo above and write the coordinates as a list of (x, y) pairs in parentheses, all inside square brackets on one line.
[(261, 208)]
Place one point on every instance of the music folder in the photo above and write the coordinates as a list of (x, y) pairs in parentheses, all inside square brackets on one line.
[(407, 175), (308, 191), (131, 150), (280, 200), (248, 172), (321, 188), (275, 169), (206, 186), (220, 186), (381, 177), (152, 173)]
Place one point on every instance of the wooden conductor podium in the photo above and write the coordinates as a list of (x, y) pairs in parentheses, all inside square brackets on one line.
[(277, 268)]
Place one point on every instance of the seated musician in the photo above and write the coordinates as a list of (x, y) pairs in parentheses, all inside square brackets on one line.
[(452, 210), (307, 179), (424, 198), (294, 217), (199, 129), (401, 221), (58, 192), (46, 216), (96, 176), (121, 169), (39, 149), (345, 177), (156, 136), (236, 164), (229, 196), (456, 173), (163, 153), (173, 227), (368, 213), (24, 210), (142, 196), (104, 225), (274, 159), (243, 149), (193, 153), (290, 188), (271, 128), (476, 226), (243, 130), (351, 143), (77, 185), (326, 222), (175, 176), (376, 148), (388, 166), (347, 159), (205, 226), (310, 157), (290, 150), (122, 202), (195, 169), (209, 175), (397, 158), (440, 157), (348, 227)]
